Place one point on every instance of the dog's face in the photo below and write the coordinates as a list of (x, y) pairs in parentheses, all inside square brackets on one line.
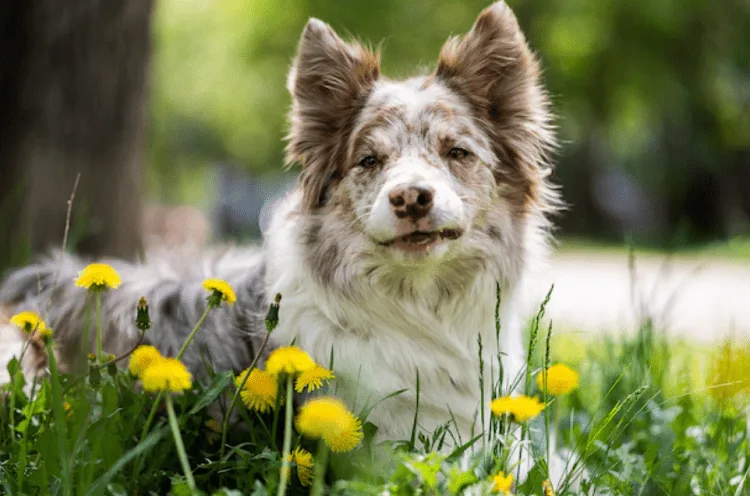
[(420, 168), (436, 168)]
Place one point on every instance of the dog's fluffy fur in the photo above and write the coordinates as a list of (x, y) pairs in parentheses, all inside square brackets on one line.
[(342, 250)]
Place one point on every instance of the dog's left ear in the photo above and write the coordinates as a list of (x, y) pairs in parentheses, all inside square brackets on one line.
[(329, 81), (494, 69)]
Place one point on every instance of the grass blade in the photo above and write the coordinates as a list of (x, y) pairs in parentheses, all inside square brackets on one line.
[(138, 450)]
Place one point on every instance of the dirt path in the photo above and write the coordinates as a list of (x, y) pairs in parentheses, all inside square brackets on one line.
[(700, 298)]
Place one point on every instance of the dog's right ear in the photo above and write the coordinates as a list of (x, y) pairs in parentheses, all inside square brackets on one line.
[(329, 82)]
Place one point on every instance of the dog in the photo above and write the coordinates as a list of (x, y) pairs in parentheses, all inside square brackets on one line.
[(416, 200)]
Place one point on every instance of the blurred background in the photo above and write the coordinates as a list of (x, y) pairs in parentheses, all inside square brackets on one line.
[(174, 113)]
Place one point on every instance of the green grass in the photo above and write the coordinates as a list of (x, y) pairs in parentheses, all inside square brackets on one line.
[(736, 248), (650, 417)]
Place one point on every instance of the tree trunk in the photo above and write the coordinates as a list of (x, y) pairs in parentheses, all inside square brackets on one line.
[(73, 86)]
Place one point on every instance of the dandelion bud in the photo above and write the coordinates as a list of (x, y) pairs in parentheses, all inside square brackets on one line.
[(272, 317), (142, 319)]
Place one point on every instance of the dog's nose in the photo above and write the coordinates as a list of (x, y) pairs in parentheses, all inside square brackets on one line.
[(411, 201)]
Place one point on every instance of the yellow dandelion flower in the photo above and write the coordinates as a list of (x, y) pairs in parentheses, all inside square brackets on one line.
[(44, 333), (313, 379), (561, 379), (289, 360), (304, 461), (167, 374), (30, 322), (220, 291), (329, 419), (521, 408), (98, 276), (260, 390), (68, 409), (501, 483), (142, 358)]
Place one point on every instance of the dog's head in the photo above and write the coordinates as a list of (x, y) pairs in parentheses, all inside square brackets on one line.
[(429, 170)]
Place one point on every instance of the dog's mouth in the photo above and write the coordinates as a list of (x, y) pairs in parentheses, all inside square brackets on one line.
[(421, 241)]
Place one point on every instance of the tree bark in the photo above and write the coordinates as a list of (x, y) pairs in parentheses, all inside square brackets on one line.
[(73, 87)]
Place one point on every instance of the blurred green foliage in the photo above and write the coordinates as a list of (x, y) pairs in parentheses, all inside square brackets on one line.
[(659, 90)]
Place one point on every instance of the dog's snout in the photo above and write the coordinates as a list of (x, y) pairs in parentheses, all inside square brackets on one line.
[(411, 201)]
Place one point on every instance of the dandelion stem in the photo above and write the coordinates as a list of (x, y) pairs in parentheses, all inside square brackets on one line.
[(144, 432), (24, 348), (151, 415), (520, 451), (555, 429), (193, 333), (546, 421), (99, 351), (545, 379), (238, 389), (180, 447), (321, 460), (287, 437)]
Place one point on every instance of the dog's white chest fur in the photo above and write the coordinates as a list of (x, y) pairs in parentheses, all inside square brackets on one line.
[(379, 340)]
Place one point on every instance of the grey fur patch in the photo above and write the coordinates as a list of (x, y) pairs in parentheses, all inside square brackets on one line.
[(171, 281)]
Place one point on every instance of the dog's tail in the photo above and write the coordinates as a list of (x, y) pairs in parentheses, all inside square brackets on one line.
[(170, 281)]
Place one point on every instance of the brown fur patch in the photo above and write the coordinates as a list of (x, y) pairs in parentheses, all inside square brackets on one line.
[(329, 82), (493, 68), (383, 117)]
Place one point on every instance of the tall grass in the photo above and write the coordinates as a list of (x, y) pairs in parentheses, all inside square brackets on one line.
[(650, 418)]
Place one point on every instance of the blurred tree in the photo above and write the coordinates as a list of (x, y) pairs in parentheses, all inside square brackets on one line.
[(72, 96), (653, 98)]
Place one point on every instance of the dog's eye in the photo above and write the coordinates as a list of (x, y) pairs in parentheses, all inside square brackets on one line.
[(369, 161), (458, 153)]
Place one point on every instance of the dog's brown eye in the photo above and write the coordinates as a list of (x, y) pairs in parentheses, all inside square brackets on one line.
[(369, 161), (458, 153)]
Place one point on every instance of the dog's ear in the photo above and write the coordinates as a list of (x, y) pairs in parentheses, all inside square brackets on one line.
[(494, 69), (329, 82)]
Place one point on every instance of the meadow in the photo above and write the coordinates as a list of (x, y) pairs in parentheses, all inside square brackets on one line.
[(632, 414)]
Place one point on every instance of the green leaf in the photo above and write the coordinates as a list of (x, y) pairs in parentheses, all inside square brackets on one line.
[(38, 405), (535, 479), (219, 384), (22, 425), (459, 480), (456, 453), (6, 482), (139, 449), (60, 422)]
